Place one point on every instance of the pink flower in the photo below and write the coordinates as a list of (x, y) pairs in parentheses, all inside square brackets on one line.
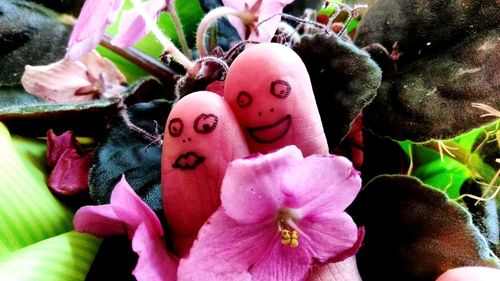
[(68, 81), (91, 25), (132, 25), (128, 214), (256, 11), (280, 214), (96, 15)]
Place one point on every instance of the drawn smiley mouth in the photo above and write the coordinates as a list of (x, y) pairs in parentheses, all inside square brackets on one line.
[(188, 161), (272, 132)]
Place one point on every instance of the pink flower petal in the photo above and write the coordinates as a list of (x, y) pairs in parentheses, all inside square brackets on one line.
[(332, 237), (130, 209), (226, 250), (250, 189), (90, 27), (268, 29), (321, 184), (56, 145), (155, 262), (128, 214), (238, 5), (133, 27), (100, 221), (283, 263), (70, 174), (57, 82), (101, 68)]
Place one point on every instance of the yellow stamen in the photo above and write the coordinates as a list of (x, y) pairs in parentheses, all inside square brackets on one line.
[(290, 238)]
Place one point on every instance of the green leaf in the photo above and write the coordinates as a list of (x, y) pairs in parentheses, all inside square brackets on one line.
[(449, 57), (344, 80), (32, 116), (447, 174), (124, 151), (413, 232)]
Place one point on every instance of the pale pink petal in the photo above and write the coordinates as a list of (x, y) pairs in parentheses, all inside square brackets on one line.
[(133, 27), (90, 27), (321, 184), (155, 262), (330, 237), (470, 273), (57, 82), (99, 67), (226, 250), (238, 5), (130, 209), (268, 28), (105, 74), (99, 220), (283, 263), (346, 270), (250, 189)]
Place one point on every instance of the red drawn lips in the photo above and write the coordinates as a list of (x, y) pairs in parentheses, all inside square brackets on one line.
[(272, 132), (188, 161)]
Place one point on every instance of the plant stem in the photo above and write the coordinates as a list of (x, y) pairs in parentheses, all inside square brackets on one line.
[(472, 160), (207, 20), (178, 26), (140, 59), (168, 46)]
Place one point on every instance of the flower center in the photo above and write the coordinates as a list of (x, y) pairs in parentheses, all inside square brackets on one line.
[(288, 229)]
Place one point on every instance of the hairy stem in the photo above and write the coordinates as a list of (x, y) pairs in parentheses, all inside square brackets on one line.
[(207, 20), (168, 46), (178, 26), (140, 59), (471, 160)]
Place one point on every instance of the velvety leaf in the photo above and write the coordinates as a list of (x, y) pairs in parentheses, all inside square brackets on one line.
[(413, 232), (62, 6), (29, 115), (125, 151), (297, 7), (344, 80), (484, 213), (29, 34), (447, 57)]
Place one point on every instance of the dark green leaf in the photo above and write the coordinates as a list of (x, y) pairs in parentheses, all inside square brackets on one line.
[(62, 6), (125, 151), (29, 115), (29, 34), (413, 232), (344, 80), (449, 57), (484, 213)]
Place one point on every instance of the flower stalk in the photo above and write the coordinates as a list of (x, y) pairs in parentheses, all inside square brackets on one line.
[(207, 21), (178, 26), (168, 46)]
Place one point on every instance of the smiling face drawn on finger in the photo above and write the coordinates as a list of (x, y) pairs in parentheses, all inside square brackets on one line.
[(271, 122), (203, 124)]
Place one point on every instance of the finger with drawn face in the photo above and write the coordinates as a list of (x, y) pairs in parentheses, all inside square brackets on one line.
[(201, 137), (268, 89)]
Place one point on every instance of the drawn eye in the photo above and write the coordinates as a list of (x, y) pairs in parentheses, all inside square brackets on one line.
[(280, 89), (244, 99), (205, 123), (175, 127)]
